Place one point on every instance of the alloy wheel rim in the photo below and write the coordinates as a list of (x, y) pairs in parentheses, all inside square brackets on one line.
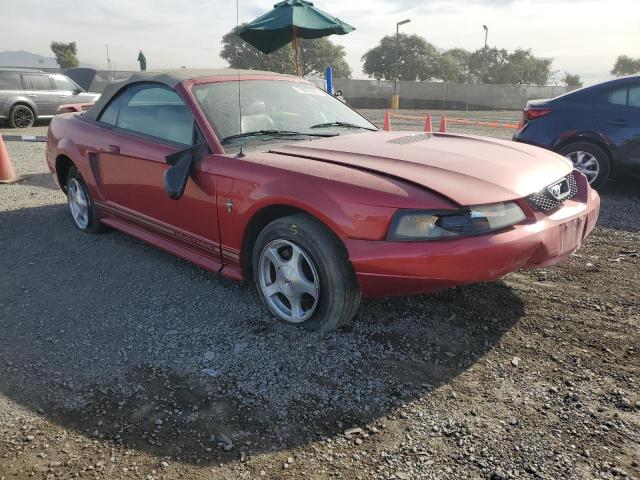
[(78, 203), (585, 163), (289, 281), (23, 117)]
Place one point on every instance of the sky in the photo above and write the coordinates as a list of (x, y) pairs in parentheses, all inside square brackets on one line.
[(582, 36)]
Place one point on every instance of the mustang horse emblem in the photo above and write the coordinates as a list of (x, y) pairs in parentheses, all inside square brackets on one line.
[(560, 190)]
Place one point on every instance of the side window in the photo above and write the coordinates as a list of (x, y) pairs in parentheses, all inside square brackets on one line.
[(10, 81), (63, 83), (37, 82), (618, 96), (634, 97), (110, 114), (156, 111)]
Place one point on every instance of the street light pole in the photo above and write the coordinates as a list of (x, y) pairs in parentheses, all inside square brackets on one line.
[(395, 79), (484, 54), (395, 100)]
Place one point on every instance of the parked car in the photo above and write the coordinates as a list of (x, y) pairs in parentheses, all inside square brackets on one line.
[(597, 128), (29, 95), (297, 191)]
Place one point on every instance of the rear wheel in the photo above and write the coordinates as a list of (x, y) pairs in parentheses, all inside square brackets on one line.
[(303, 274), (21, 116), (81, 207), (589, 159)]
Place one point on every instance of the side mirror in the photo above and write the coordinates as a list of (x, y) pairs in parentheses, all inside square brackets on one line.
[(338, 93), (176, 177), (77, 91)]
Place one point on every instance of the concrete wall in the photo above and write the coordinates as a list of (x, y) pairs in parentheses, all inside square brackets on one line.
[(425, 95), (422, 95)]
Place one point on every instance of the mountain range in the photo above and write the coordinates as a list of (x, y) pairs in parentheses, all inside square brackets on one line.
[(21, 58)]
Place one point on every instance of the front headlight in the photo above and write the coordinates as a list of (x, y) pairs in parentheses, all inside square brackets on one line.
[(415, 225)]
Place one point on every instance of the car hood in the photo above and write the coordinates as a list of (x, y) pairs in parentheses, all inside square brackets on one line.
[(466, 169)]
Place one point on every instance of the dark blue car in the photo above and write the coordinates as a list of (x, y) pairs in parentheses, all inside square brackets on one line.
[(597, 128)]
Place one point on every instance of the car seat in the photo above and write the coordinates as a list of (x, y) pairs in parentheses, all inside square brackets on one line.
[(255, 118)]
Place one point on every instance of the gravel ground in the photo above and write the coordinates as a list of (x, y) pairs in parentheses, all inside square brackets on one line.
[(120, 361)]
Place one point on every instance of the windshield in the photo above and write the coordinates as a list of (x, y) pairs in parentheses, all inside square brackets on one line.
[(275, 106)]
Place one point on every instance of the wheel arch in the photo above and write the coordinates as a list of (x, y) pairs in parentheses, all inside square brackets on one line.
[(27, 103), (594, 139), (63, 165), (67, 151), (261, 218)]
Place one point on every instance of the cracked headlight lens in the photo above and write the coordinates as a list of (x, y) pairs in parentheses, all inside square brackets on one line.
[(414, 225)]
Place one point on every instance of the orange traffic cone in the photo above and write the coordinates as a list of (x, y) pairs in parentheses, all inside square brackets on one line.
[(387, 122), (443, 125), (7, 174), (427, 124)]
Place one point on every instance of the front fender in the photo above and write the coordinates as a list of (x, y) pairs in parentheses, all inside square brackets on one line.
[(248, 199), (341, 218)]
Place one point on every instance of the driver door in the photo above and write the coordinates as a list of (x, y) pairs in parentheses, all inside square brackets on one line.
[(147, 122), (66, 89)]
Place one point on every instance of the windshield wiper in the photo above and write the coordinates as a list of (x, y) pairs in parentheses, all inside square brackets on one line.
[(341, 124), (275, 133)]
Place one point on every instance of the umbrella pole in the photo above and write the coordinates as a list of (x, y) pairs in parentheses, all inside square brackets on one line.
[(294, 44)]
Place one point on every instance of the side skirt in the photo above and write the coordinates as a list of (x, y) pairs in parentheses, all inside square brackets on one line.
[(164, 244)]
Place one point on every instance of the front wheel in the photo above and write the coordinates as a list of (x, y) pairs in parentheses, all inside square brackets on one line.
[(589, 159), (303, 274)]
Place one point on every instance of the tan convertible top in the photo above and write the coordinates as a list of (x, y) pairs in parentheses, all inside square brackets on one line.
[(170, 78)]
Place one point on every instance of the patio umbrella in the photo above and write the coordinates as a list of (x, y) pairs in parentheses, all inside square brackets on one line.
[(288, 21)]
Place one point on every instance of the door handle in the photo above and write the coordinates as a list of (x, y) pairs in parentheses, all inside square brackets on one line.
[(113, 149), (618, 123), (65, 96), (32, 95)]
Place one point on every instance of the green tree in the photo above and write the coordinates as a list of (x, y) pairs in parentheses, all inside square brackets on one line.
[(572, 80), (453, 66), (625, 65), (65, 54), (493, 60), (412, 57), (517, 67), (314, 56)]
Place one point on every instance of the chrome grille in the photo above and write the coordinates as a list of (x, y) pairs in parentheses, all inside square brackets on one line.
[(545, 201)]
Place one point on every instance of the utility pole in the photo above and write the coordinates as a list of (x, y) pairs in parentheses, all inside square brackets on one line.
[(484, 53), (108, 64)]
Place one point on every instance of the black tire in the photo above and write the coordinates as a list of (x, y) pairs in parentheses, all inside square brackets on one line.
[(93, 224), (601, 157), (339, 294), (21, 116)]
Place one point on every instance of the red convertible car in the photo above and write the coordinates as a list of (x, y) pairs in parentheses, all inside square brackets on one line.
[(265, 176)]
